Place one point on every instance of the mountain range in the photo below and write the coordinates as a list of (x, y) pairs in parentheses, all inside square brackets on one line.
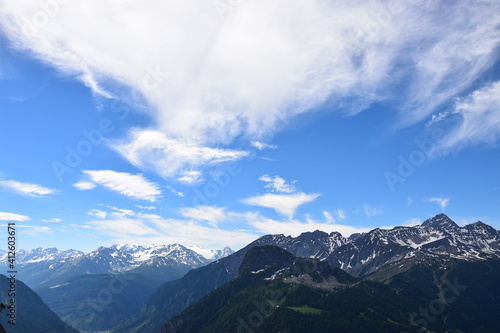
[(103, 288), (48, 267), (376, 281), (277, 292), (379, 254)]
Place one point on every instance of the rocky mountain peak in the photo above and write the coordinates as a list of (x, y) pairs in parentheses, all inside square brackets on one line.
[(440, 221), (479, 225)]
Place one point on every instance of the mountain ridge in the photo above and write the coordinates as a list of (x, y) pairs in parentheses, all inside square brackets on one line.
[(48, 267), (360, 255)]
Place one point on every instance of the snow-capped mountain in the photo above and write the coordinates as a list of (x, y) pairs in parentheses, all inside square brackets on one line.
[(436, 237), (211, 254), (316, 244), (52, 254), (438, 240), (123, 257), (41, 266), (365, 253), (362, 254)]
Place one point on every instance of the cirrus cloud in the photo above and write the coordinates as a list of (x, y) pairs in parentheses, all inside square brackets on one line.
[(153, 150), (133, 186), (209, 81), (13, 217), (285, 204), (33, 190), (211, 214), (479, 113)]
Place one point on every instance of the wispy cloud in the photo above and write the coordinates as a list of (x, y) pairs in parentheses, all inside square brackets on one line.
[(145, 207), (169, 157), (97, 213), (246, 76), (33, 190), (121, 212), (83, 186), (211, 214), (121, 226), (13, 217), (285, 204), (191, 177), (31, 230), (262, 145), (341, 214), (154, 229), (52, 220), (443, 202), (177, 193), (277, 184), (328, 217), (133, 186), (371, 211), (480, 119)]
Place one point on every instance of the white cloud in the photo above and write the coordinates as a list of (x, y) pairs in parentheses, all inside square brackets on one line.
[(211, 214), (13, 217), (153, 229), (124, 226), (209, 81), (480, 119), (83, 186), (261, 145), (443, 202), (371, 211), (145, 207), (98, 213), (133, 186), (32, 230), (329, 217), (81, 226), (177, 193), (190, 177), (277, 184), (341, 214), (285, 204), (153, 150), (33, 190), (52, 220), (121, 212)]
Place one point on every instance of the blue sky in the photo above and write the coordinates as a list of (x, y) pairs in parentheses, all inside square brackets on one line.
[(213, 123)]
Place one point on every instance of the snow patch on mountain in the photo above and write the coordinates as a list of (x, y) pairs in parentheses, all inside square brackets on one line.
[(211, 254)]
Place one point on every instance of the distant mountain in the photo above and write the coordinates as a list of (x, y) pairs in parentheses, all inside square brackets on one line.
[(387, 251), (32, 314), (79, 286), (39, 265), (211, 254), (44, 268)]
